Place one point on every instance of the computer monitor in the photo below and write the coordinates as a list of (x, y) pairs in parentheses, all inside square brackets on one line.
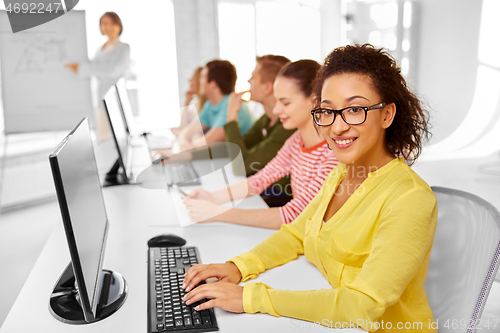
[(126, 108), (120, 173), (85, 292)]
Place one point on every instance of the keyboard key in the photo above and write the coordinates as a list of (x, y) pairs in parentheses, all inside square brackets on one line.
[(187, 322), (197, 322), (207, 321), (179, 323), (160, 327)]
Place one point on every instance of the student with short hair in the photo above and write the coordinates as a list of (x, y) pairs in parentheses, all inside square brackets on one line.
[(217, 81), (369, 230), (261, 143)]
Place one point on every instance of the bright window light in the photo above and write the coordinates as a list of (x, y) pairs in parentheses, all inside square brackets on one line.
[(407, 9), (386, 15), (311, 3), (405, 45), (376, 13), (390, 16), (375, 38), (489, 48), (238, 45), (391, 41), (405, 66), (287, 29)]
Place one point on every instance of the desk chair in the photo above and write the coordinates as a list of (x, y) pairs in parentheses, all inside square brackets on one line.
[(464, 259)]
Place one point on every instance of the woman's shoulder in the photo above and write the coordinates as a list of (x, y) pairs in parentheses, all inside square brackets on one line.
[(404, 181), (294, 142), (123, 46), (295, 137)]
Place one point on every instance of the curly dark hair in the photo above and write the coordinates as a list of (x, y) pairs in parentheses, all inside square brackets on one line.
[(411, 123)]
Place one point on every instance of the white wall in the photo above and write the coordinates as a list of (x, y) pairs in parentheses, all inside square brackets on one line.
[(448, 60)]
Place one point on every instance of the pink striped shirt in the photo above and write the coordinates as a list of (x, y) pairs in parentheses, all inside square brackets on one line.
[(307, 167)]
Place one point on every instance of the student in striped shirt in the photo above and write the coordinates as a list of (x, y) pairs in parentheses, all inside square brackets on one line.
[(305, 157)]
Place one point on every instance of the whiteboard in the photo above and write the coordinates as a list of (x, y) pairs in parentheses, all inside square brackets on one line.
[(38, 93)]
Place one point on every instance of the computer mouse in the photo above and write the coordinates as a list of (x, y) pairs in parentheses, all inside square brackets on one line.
[(166, 241)]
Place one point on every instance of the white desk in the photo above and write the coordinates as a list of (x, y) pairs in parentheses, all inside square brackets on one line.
[(135, 215)]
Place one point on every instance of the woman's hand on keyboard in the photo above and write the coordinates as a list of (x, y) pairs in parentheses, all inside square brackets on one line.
[(227, 272), (224, 295), (201, 194)]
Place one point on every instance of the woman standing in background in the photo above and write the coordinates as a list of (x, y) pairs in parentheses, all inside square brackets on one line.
[(110, 63)]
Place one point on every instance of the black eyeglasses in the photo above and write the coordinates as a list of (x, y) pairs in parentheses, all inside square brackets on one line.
[(352, 115)]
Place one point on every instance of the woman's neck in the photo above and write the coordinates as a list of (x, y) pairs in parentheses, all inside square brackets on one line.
[(375, 160), (309, 134), (110, 40)]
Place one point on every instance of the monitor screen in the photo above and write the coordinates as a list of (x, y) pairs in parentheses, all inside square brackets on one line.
[(126, 107), (117, 127), (82, 208)]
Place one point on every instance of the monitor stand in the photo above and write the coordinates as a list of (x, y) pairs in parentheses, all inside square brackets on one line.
[(65, 300), (114, 177)]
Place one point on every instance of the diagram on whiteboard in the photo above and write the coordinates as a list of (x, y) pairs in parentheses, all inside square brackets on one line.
[(38, 92), (39, 52)]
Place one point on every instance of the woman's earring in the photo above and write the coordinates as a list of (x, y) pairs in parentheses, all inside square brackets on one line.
[(328, 146)]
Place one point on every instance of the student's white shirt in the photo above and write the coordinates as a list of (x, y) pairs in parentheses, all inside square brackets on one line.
[(109, 64)]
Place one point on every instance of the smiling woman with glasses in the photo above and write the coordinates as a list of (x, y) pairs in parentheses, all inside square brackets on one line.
[(370, 228)]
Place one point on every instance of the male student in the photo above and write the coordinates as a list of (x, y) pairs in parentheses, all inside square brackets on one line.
[(267, 135), (217, 81)]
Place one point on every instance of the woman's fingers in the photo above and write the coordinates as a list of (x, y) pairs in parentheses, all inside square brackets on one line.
[(201, 194), (202, 292), (223, 295), (203, 210), (227, 272), (213, 303), (196, 274), (194, 193)]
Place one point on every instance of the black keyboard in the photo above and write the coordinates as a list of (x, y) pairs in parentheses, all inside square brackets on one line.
[(181, 173), (166, 310)]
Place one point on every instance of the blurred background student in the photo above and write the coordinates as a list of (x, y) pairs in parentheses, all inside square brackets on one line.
[(111, 62), (193, 103), (217, 81)]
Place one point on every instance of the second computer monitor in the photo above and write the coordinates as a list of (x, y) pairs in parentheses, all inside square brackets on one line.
[(121, 137), (126, 107)]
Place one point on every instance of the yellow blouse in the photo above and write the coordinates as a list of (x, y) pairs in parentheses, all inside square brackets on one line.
[(374, 253)]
